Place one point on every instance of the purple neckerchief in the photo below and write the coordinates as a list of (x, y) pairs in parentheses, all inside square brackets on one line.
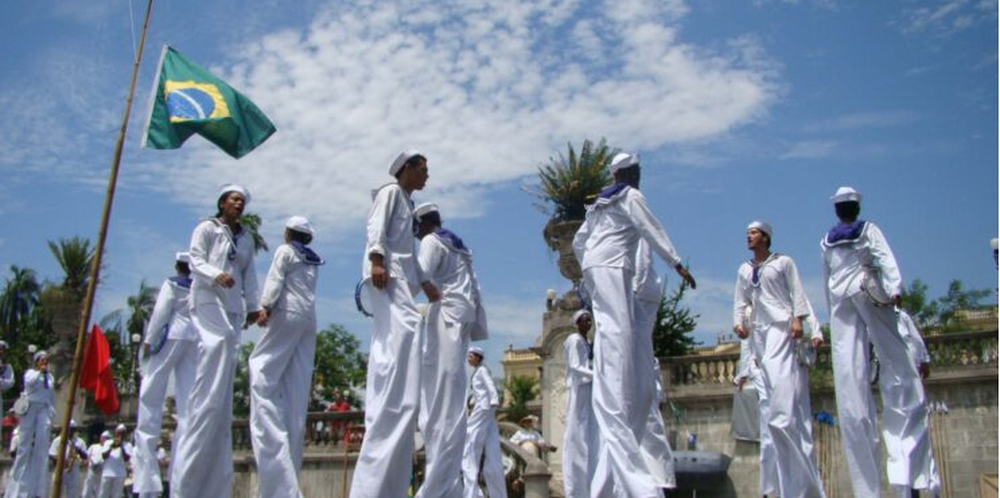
[(453, 239), (308, 256), (184, 282), (845, 232), (612, 190), (755, 274)]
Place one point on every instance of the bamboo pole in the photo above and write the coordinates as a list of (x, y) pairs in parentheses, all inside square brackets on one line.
[(95, 266)]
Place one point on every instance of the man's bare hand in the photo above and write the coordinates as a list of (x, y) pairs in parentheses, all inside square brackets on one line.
[(225, 280), (795, 330), (817, 342), (925, 370), (686, 275), (741, 332), (433, 294), (380, 276)]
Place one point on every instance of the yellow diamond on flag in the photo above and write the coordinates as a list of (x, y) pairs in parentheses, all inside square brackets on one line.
[(193, 101)]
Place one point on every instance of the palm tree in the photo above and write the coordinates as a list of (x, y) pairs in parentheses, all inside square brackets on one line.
[(570, 182), (251, 223), (140, 307), (74, 256), (21, 293)]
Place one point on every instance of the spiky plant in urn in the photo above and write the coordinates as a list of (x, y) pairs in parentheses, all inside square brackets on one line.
[(567, 184)]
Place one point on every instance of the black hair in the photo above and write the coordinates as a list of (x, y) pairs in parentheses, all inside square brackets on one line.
[(183, 267), (432, 217), (848, 210), (768, 238), (413, 161), (627, 175), (298, 236)]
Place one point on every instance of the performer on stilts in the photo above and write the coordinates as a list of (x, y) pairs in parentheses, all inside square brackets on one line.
[(482, 440), (579, 438)]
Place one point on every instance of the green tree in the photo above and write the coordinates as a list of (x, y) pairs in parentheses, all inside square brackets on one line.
[(21, 294), (521, 390), (674, 324), (340, 364), (252, 223), (74, 257), (922, 309), (241, 383), (958, 299), (571, 181)]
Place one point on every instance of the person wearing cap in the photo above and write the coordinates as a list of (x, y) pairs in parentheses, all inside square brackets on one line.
[(449, 325), (6, 371), (281, 363), (76, 454), (863, 283), (769, 282), (482, 435), (393, 384), (171, 348), (95, 467), (647, 287), (579, 443), (528, 437), (29, 473), (116, 453), (606, 246), (224, 299)]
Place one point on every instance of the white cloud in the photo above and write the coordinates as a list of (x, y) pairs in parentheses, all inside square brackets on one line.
[(488, 91), (809, 149), (946, 18), (858, 120)]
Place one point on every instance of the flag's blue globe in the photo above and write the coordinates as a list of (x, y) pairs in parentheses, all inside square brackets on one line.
[(190, 103)]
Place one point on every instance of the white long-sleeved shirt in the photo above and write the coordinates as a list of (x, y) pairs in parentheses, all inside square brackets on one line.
[(114, 462), (778, 298), (610, 234), (845, 263), (528, 436), (212, 254), (578, 369), (290, 283), (171, 313), (37, 389), (450, 270), (95, 455), (390, 234), (77, 443), (6, 379), (482, 392)]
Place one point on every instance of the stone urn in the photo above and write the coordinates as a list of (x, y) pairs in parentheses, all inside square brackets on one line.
[(558, 236)]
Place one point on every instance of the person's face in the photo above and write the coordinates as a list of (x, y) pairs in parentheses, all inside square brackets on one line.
[(425, 228), (232, 205), (42, 362), (756, 239), (415, 175), (474, 359), (583, 324)]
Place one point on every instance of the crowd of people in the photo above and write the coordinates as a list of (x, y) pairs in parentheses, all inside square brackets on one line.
[(614, 443)]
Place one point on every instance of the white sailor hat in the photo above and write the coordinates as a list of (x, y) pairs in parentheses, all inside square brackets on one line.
[(401, 160), (39, 355), (121, 428), (232, 187), (478, 351), (763, 226), (182, 257), (623, 160), (580, 314), (427, 207), (299, 224), (106, 435), (4, 345), (846, 194)]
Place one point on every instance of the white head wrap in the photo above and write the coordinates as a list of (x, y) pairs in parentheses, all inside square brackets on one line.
[(427, 207), (72, 424), (623, 160), (478, 350), (4, 345), (401, 160), (121, 428), (763, 226), (580, 314), (232, 187), (182, 257), (39, 355), (106, 435), (846, 194), (299, 224)]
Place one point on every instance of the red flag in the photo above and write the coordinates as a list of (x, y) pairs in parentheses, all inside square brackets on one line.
[(96, 375)]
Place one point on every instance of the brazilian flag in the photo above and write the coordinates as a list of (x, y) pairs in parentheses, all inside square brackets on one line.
[(188, 99)]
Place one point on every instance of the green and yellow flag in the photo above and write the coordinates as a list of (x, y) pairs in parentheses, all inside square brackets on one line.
[(188, 99)]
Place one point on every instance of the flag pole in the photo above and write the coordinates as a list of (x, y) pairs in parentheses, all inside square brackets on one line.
[(95, 266)]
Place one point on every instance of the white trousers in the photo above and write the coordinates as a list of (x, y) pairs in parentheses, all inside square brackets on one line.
[(392, 392), (442, 419), (92, 483), (579, 445), (622, 393), (70, 481), (483, 441), (178, 359), (653, 440), (203, 464), (855, 322), (281, 368), (787, 419), (29, 476), (112, 487)]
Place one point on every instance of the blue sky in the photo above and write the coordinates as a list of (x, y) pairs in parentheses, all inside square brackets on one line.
[(741, 110)]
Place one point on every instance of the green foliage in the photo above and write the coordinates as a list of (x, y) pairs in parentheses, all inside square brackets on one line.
[(241, 384), (340, 364), (941, 313), (570, 182), (21, 294), (674, 324), (119, 326), (74, 257), (521, 390), (252, 223)]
